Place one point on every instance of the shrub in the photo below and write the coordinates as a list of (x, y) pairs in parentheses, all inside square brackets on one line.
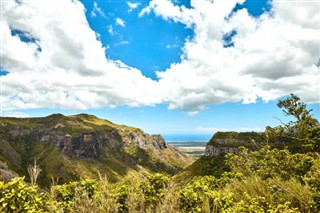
[(17, 196), (154, 188), (68, 191), (269, 163), (197, 195)]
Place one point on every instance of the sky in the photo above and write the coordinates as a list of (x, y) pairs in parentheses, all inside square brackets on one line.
[(165, 66)]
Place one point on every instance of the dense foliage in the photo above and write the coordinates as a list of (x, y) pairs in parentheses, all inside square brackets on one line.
[(268, 180), (301, 134)]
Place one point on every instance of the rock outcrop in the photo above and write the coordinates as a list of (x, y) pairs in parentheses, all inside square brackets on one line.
[(86, 145), (228, 142), (216, 151), (158, 142)]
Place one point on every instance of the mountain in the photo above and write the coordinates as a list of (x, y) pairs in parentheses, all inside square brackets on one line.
[(228, 142), (221, 143), (80, 146)]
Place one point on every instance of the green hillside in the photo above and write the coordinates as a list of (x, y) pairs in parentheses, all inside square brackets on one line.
[(69, 148)]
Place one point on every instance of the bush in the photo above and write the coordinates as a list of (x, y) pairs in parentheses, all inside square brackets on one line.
[(17, 196), (154, 188), (67, 192), (269, 163), (197, 195)]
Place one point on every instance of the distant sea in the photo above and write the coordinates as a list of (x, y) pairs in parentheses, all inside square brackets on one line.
[(191, 144), (186, 137)]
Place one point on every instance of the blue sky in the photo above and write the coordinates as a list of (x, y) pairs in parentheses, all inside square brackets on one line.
[(169, 67), (148, 43)]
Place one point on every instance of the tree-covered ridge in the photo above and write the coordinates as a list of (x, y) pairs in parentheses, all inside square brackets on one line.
[(266, 179), (301, 134)]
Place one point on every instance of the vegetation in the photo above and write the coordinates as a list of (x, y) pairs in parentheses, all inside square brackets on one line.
[(266, 179), (302, 133), (72, 148), (269, 180)]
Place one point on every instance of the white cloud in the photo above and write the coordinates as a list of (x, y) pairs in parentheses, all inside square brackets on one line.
[(66, 66), (167, 10), (96, 9), (110, 30), (14, 114), (120, 22), (132, 6), (272, 55), (123, 43), (219, 129)]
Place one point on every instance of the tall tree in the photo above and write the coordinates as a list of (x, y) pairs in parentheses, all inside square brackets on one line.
[(292, 106), (303, 129)]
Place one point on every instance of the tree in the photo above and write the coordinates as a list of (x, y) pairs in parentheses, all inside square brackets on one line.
[(302, 131), (292, 106)]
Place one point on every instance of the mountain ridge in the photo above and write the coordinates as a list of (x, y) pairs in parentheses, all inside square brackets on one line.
[(83, 146)]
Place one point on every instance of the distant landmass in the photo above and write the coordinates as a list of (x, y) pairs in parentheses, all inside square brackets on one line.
[(191, 144)]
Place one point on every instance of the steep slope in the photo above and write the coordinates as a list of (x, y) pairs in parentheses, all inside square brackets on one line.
[(228, 142), (221, 143), (81, 146)]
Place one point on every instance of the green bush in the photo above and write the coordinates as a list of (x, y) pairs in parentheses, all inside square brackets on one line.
[(154, 188), (197, 195), (17, 196), (270, 163), (67, 192)]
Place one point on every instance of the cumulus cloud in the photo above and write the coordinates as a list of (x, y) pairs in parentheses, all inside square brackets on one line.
[(132, 6), (120, 22), (96, 9), (62, 64), (167, 10), (270, 56)]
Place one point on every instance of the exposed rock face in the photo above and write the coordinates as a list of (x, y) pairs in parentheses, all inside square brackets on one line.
[(86, 145), (138, 139), (143, 140), (216, 151), (158, 142), (228, 142)]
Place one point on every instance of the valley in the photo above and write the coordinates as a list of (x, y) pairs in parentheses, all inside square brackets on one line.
[(192, 148)]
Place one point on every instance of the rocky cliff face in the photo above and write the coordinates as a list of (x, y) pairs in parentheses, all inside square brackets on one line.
[(228, 142), (72, 147), (211, 150)]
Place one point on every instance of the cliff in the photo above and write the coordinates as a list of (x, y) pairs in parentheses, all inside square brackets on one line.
[(82, 146), (221, 143), (228, 142)]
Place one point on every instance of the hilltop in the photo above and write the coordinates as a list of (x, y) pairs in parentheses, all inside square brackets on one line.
[(75, 147)]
